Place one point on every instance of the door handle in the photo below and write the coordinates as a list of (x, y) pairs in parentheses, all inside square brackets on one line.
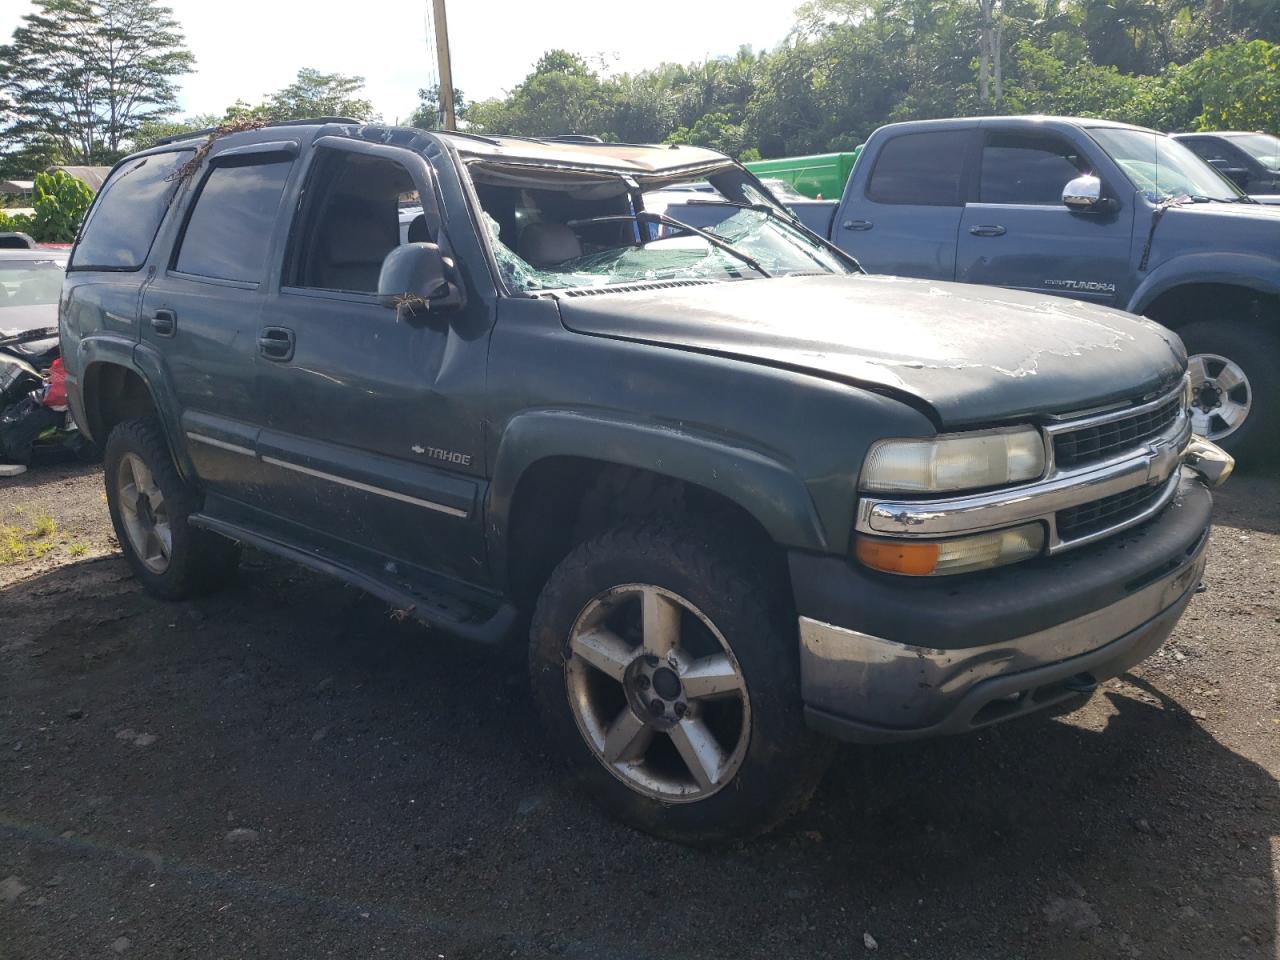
[(987, 230), (857, 224), (276, 343), (164, 323)]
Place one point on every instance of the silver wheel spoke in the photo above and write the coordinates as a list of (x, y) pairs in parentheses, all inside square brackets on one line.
[(1230, 377), (164, 537), (711, 677), (604, 650), (1196, 367), (660, 623), (1232, 414), (628, 738), (699, 750)]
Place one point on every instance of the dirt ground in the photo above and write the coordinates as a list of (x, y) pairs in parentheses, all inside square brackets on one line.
[(282, 771)]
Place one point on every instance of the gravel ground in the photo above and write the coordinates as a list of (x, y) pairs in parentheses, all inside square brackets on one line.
[(283, 771)]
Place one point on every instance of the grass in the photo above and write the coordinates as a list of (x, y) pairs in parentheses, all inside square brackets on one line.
[(77, 549), (18, 543)]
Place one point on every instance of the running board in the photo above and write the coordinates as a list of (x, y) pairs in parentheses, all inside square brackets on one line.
[(437, 609)]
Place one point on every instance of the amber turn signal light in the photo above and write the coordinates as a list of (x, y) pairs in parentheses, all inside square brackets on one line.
[(896, 556)]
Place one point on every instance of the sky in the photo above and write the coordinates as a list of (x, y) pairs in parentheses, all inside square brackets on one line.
[(248, 48)]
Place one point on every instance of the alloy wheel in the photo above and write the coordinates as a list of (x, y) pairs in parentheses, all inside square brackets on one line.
[(657, 693), (1220, 395), (144, 513)]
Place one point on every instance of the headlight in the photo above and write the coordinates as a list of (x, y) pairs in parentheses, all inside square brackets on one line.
[(959, 461), (929, 558)]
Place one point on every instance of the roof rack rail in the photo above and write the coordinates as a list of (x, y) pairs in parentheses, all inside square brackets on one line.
[(572, 138), (305, 122), (461, 133)]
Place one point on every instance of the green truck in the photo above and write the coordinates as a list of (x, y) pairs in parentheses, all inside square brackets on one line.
[(821, 176)]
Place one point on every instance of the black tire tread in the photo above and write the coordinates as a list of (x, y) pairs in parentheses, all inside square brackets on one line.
[(719, 560), (202, 561)]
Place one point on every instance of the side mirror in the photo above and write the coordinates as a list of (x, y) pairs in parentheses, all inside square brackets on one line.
[(1083, 194), (418, 278)]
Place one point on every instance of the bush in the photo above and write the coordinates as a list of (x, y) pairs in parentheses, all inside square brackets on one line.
[(10, 223), (60, 202)]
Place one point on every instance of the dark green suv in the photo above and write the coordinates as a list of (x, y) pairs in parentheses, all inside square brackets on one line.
[(737, 496)]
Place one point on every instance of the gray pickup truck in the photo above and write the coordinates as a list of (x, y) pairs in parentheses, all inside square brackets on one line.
[(730, 492), (1098, 211)]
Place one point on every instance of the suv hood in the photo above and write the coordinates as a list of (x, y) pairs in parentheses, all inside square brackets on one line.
[(973, 354)]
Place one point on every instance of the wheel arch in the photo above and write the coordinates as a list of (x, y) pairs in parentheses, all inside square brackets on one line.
[(1208, 275), (557, 472)]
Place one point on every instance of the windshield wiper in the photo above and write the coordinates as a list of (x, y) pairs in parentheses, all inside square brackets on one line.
[(647, 216)]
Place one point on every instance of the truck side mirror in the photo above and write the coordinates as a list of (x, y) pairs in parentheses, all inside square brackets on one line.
[(1083, 194), (418, 278)]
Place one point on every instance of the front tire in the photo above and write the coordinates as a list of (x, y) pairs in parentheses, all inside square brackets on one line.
[(149, 505), (665, 667), (1235, 380)]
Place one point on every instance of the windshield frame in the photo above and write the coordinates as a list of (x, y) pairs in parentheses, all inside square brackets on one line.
[(732, 172), (1181, 153)]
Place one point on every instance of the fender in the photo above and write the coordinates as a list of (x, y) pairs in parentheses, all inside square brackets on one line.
[(1251, 270), (143, 360), (766, 489)]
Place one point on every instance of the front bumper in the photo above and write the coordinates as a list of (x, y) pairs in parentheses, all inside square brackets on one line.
[(886, 658)]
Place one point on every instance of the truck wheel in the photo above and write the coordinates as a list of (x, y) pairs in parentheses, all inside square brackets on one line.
[(1235, 379), (149, 505), (666, 669)]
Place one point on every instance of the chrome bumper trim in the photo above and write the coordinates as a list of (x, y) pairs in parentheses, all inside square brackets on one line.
[(897, 685)]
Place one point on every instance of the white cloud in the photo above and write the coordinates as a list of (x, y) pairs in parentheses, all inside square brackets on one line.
[(247, 48)]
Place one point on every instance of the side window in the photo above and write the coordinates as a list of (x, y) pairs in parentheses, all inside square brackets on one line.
[(230, 226), (1207, 149), (127, 215), (920, 168), (358, 209), (1027, 168)]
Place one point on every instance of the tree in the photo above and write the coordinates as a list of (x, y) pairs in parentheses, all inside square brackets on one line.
[(316, 94), (86, 74), (1239, 86), (562, 95), (427, 113)]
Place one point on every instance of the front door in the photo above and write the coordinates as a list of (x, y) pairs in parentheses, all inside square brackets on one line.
[(372, 422), (1017, 233)]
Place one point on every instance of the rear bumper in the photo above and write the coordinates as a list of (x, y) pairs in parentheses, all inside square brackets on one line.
[(884, 658)]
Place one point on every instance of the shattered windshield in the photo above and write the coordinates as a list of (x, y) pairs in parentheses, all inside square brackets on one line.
[(586, 233), (1161, 167)]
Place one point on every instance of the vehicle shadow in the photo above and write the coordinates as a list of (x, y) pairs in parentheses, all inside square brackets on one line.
[(396, 790), (1249, 501)]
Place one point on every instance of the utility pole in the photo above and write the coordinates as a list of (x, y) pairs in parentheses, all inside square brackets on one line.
[(446, 69)]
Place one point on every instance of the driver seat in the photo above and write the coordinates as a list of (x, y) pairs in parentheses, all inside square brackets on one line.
[(547, 244)]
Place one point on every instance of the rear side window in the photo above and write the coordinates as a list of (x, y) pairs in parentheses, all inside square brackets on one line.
[(920, 168), (1027, 168), (229, 229), (127, 215), (1207, 149)]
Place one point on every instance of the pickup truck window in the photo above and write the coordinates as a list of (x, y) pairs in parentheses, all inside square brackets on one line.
[(582, 233), (1027, 169), (1262, 147), (230, 227), (350, 221), (127, 214), (1162, 168), (920, 168)]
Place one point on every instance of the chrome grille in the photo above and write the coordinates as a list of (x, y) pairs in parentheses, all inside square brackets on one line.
[(1099, 441), (1089, 518)]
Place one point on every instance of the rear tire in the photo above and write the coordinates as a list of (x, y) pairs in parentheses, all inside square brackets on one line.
[(1235, 373), (704, 590), (149, 505)]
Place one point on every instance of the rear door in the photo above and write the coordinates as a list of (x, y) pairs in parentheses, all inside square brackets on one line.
[(1016, 232), (200, 313), (902, 219)]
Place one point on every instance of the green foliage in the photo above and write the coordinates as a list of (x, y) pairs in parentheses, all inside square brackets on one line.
[(316, 94), (426, 115), (86, 74), (60, 203), (15, 223), (1239, 86)]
